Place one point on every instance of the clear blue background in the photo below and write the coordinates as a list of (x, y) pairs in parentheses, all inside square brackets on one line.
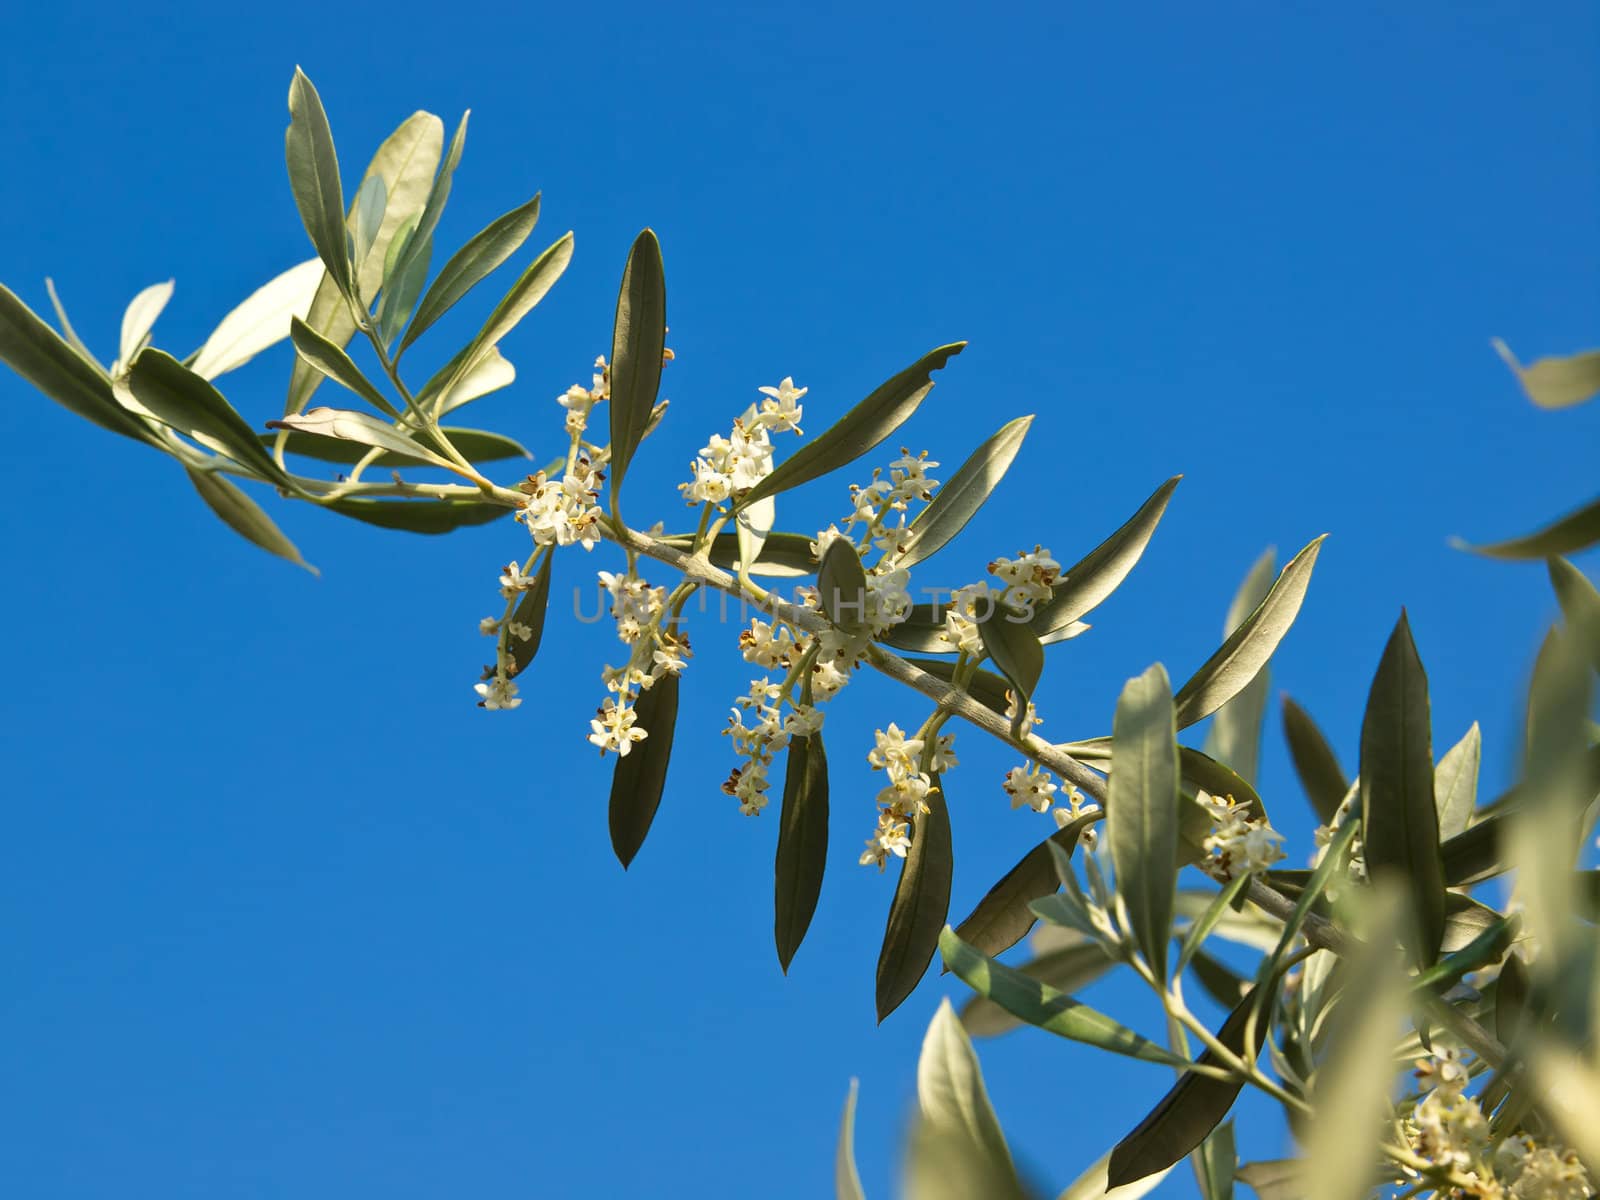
[(283, 915)]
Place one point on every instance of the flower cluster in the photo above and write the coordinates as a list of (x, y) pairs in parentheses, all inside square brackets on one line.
[(656, 649), (1066, 814), (757, 742), (1449, 1129), (1032, 785), (561, 512), (579, 400), (1239, 843), (1024, 583), (905, 793), (730, 465)]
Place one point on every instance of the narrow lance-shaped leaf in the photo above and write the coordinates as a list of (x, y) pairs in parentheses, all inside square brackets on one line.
[(842, 587), (1100, 572), (1455, 783), (1003, 918), (638, 343), (959, 500), (960, 1132), (1214, 1163), (314, 179), (846, 1180), (1067, 970), (1044, 1007), (1314, 762), (1238, 660), (921, 904), (1142, 811), (859, 430), (1556, 382), (802, 845), (1235, 734), (471, 265), (1400, 823), (360, 428), (403, 277), (244, 516), (475, 445), (39, 354), (338, 366), (751, 529), (641, 777), (67, 331), (419, 516), (1186, 1115), (260, 321), (1576, 531), (427, 219), (1580, 606), (179, 398), (1014, 649), (406, 162), (526, 628), (140, 318)]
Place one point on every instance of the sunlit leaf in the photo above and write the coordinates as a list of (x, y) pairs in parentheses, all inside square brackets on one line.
[(802, 844), (408, 267), (1067, 970), (1088, 582), (1400, 823), (1314, 762), (954, 1104), (67, 331), (1556, 382), (1242, 655), (1576, 531), (921, 904), (751, 527), (859, 430), (1215, 1161), (641, 777), (140, 318), (1580, 606), (244, 516), (1455, 783), (475, 445), (260, 321), (846, 1180), (1274, 1179), (959, 500), (1033, 1002), (1092, 1185), (1235, 734), (333, 362), (359, 428), (1142, 811), (366, 216), (314, 179)]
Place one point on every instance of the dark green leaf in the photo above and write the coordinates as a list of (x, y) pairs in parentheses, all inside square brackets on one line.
[(1235, 734), (802, 845), (1067, 970), (177, 397), (314, 179), (1186, 1115), (1142, 811), (640, 778), (529, 614), (530, 288), (842, 588), (783, 555), (1215, 1161), (1556, 382), (1400, 825), (344, 425), (1314, 761), (859, 430), (475, 445), (1089, 581), (1002, 918), (244, 516), (1033, 1002), (1576, 531), (472, 264), (37, 353), (1240, 658), (406, 163), (333, 362), (638, 343), (1014, 649), (420, 516), (1580, 606), (959, 500), (921, 904), (1220, 982), (1455, 783)]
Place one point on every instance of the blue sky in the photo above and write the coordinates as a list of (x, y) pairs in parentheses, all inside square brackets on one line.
[(283, 914)]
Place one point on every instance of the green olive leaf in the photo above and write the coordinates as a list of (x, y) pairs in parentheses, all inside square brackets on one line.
[(641, 776), (1142, 811), (802, 845), (959, 500), (638, 347), (921, 904)]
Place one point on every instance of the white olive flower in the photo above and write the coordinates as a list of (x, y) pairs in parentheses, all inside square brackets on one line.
[(497, 693), (1030, 785), (614, 729)]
